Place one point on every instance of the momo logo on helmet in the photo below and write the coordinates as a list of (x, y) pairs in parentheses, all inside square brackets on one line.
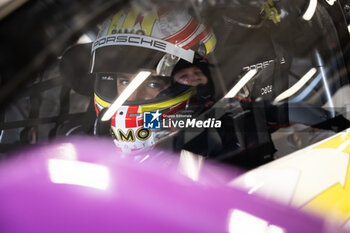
[(141, 134), (151, 120), (144, 42)]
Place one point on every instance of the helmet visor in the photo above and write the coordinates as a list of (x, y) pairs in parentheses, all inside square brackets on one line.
[(117, 66)]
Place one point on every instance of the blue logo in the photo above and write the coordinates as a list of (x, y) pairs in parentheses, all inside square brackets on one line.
[(151, 120)]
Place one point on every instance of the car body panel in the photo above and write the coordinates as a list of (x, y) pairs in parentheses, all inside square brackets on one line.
[(84, 185), (316, 179)]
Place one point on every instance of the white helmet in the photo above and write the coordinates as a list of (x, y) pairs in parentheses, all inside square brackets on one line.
[(156, 40)]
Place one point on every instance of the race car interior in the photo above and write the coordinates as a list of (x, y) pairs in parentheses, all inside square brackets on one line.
[(280, 79)]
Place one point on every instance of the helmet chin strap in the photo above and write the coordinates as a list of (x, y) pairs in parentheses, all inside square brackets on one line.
[(101, 128)]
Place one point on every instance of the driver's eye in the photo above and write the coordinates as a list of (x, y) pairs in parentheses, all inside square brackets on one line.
[(198, 72), (155, 85), (124, 82), (184, 76)]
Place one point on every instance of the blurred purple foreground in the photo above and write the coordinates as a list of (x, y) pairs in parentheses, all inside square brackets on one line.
[(84, 185)]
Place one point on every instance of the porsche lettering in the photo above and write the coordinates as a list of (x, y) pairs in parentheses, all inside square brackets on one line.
[(143, 41), (129, 40)]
